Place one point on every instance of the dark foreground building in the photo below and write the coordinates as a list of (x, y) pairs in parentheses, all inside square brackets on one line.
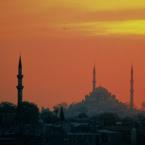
[(71, 133)]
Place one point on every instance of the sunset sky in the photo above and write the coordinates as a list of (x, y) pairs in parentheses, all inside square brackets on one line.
[(61, 40)]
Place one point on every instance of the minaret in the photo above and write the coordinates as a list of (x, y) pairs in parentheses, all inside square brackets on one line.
[(132, 89), (20, 83), (94, 78)]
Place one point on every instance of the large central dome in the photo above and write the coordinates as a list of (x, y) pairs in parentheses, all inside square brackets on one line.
[(101, 100), (100, 93), (97, 102)]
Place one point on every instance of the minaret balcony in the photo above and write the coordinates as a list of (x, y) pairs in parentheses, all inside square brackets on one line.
[(19, 76), (20, 87)]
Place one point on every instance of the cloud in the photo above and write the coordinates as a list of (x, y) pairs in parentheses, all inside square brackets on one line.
[(125, 27), (89, 5)]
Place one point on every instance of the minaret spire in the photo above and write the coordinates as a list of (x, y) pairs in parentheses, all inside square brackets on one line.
[(20, 83), (94, 78), (20, 62), (132, 89)]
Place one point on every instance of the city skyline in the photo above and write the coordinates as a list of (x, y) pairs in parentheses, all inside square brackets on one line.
[(60, 43), (20, 87)]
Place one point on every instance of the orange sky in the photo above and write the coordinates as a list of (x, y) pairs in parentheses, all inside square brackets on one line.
[(61, 40)]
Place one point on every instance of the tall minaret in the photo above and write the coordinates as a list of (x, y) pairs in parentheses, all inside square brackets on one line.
[(20, 83), (94, 78), (132, 89)]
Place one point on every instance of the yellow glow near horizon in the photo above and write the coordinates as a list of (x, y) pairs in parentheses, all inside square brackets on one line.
[(114, 4), (74, 15), (126, 27)]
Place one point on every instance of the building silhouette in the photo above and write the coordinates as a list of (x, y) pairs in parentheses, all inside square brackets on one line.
[(132, 89), (20, 83), (99, 100)]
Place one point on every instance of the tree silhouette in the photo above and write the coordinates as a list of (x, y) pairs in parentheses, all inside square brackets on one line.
[(28, 113), (62, 117), (48, 116), (7, 113), (57, 107)]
